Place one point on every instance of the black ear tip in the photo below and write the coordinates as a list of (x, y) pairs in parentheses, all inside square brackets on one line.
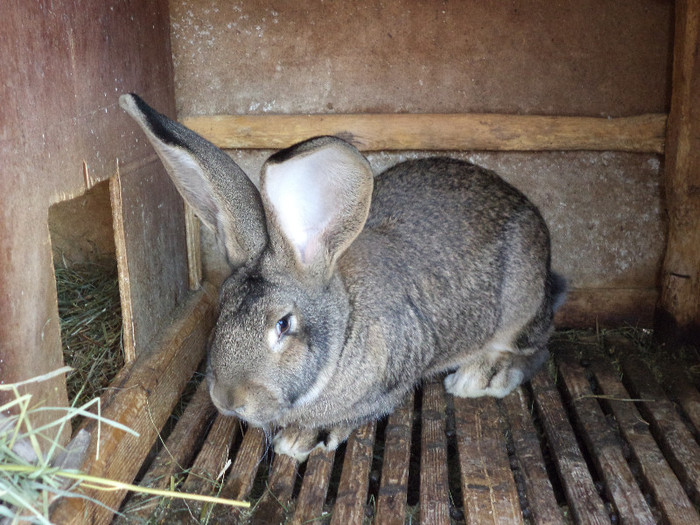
[(164, 129), (131, 101)]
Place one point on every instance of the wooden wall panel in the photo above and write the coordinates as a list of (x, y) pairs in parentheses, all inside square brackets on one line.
[(63, 66)]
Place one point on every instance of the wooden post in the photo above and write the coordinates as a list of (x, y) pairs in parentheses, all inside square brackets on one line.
[(678, 311)]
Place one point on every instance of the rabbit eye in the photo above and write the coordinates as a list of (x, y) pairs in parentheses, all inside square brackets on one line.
[(284, 325)]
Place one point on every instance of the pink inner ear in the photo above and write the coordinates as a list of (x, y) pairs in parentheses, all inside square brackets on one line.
[(320, 200), (305, 197), (309, 252)]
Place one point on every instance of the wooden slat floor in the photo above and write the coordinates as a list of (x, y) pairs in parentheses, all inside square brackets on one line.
[(597, 437)]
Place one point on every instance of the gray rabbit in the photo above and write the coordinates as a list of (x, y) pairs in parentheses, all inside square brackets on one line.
[(348, 290)]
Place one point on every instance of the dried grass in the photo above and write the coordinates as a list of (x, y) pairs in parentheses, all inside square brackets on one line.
[(91, 327)]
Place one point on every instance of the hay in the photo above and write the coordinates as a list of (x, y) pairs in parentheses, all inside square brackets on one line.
[(35, 470), (91, 327)]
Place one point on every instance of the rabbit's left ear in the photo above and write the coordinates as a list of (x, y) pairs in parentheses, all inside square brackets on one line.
[(317, 196)]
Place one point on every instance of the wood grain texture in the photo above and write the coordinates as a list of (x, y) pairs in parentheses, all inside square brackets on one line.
[(673, 436), (542, 502), (393, 486), (679, 306), (440, 132), (434, 488), (683, 392), (350, 503), (206, 475), (240, 480), (605, 447), (63, 65), (488, 487), (207, 472), (273, 507), (312, 495), (177, 454), (141, 397), (659, 478), (151, 249), (584, 501)]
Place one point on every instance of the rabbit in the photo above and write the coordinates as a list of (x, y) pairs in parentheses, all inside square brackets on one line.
[(347, 290)]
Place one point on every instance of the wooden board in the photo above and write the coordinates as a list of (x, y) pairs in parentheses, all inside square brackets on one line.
[(250, 454), (375, 132), (604, 445), (488, 487), (176, 456), (542, 505), (570, 447), (151, 250), (391, 499), (141, 397), (677, 442), (312, 495), (274, 505), (659, 479), (435, 492), (64, 65), (584, 501), (350, 503)]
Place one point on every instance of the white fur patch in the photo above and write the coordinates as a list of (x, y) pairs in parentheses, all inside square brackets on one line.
[(464, 384)]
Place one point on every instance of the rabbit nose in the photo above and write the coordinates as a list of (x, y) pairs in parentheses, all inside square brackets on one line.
[(229, 400), (222, 398)]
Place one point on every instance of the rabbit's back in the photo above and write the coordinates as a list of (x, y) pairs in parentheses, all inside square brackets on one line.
[(449, 255)]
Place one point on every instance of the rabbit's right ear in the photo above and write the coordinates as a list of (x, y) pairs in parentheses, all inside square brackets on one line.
[(220, 193), (317, 196)]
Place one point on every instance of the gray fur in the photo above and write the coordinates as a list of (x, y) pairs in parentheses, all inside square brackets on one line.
[(449, 272)]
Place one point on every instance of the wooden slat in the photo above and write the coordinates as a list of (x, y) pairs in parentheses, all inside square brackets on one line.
[(115, 191), (194, 248), (141, 397), (488, 487), (378, 132), (350, 504), (684, 393), (206, 474), (176, 455), (584, 501), (604, 445), (434, 487), (674, 438), (542, 503), (240, 480), (659, 478), (312, 496), (391, 500), (274, 505)]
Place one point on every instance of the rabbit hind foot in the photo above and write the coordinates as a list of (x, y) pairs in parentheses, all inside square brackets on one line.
[(494, 373)]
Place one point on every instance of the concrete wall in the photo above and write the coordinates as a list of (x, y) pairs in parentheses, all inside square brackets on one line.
[(584, 57)]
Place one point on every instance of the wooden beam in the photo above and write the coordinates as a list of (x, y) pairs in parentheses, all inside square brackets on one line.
[(141, 397), (377, 132), (678, 312)]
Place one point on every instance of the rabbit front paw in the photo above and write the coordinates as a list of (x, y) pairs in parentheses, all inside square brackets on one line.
[(300, 442)]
